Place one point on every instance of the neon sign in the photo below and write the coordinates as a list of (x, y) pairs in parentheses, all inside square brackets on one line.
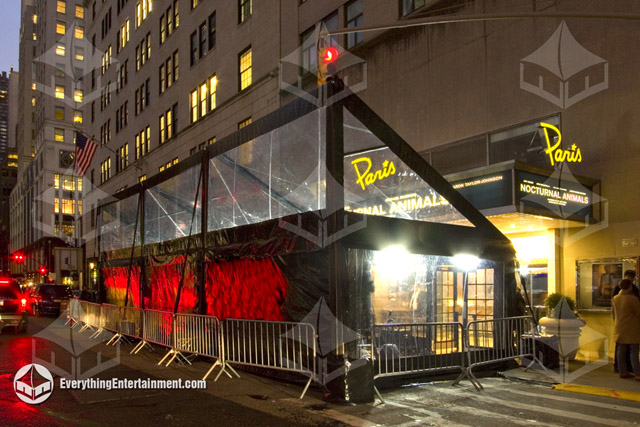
[(367, 177), (555, 152)]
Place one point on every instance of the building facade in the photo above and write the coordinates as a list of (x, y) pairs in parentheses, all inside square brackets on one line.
[(46, 203), (174, 76)]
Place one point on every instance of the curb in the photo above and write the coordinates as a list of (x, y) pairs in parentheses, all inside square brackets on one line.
[(599, 391)]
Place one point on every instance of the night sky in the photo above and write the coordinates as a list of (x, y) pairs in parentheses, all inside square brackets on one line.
[(10, 25)]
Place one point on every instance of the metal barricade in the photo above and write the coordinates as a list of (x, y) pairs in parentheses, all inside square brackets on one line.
[(287, 346), (407, 348), (202, 335), (91, 315), (157, 329), (496, 340), (73, 312), (131, 322), (110, 316)]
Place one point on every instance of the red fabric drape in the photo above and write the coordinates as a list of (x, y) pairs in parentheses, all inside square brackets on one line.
[(245, 289), (164, 280), (115, 281)]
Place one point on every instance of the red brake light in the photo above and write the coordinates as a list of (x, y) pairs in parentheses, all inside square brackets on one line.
[(24, 302), (5, 282)]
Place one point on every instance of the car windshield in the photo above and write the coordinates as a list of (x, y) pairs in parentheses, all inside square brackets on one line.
[(55, 291)]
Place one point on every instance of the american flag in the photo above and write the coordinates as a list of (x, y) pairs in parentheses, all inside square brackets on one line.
[(85, 149)]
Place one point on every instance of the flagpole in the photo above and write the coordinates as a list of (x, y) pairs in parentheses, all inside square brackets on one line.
[(102, 145)]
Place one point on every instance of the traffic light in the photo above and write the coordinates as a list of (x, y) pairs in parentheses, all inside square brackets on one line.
[(18, 258), (327, 57), (43, 270)]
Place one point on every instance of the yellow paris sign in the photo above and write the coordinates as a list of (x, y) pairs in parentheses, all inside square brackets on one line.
[(366, 176), (554, 150)]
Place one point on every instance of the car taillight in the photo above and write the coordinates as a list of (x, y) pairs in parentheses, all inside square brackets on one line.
[(24, 302)]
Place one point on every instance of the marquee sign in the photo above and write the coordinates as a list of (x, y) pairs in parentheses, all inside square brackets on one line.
[(554, 149)]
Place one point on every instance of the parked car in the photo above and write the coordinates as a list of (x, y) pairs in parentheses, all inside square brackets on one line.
[(13, 306), (50, 299)]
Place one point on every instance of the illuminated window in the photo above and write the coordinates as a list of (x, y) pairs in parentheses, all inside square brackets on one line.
[(56, 180), (142, 178), (77, 95), (213, 84), (60, 27), (59, 113), (245, 122), (79, 54), (59, 92), (60, 49), (77, 116), (79, 207), (245, 65), (161, 168), (175, 161), (194, 3), (58, 134), (56, 205), (123, 35), (244, 10), (162, 129), (68, 182), (79, 12), (35, 19), (35, 36), (61, 6), (33, 101), (143, 7), (79, 32), (211, 141), (203, 99), (68, 206), (194, 106), (169, 123), (80, 184)]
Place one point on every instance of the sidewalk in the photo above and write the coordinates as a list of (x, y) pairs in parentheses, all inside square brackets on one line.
[(589, 378)]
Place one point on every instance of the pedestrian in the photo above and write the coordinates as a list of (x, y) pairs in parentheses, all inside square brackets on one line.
[(625, 308), (631, 276)]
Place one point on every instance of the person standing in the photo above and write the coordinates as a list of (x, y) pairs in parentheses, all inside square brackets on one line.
[(625, 308), (631, 276)]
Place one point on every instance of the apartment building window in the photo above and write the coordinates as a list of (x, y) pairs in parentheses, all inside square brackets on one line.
[(203, 99), (56, 181), (59, 113), (121, 4), (60, 27), (79, 54), (162, 72), (78, 32), (80, 184), (194, 48), (245, 67), (194, 106), (172, 68), (79, 207), (409, 6), (77, 116), (59, 92), (143, 51), (143, 142), (213, 88), (68, 182), (105, 132), (106, 59), (169, 21), (143, 7), (56, 205), (61, 6), (122, 158), (105, 170), (244, 10), (212, 30), (354, 19), (244, 123), (60, 50), (79, 12), (106, 23), (68, 206), (123, 36), (123, 75), (142, 178), (194, 3), (122, 116), (77, 95), (142, 96), (203, 39), (58, 135)]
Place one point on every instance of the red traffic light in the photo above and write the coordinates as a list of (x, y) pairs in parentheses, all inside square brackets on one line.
[(43, 270), (18, 258), (330, 54)]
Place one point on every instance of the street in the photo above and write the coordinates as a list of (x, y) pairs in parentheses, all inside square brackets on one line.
[(254, 400)]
